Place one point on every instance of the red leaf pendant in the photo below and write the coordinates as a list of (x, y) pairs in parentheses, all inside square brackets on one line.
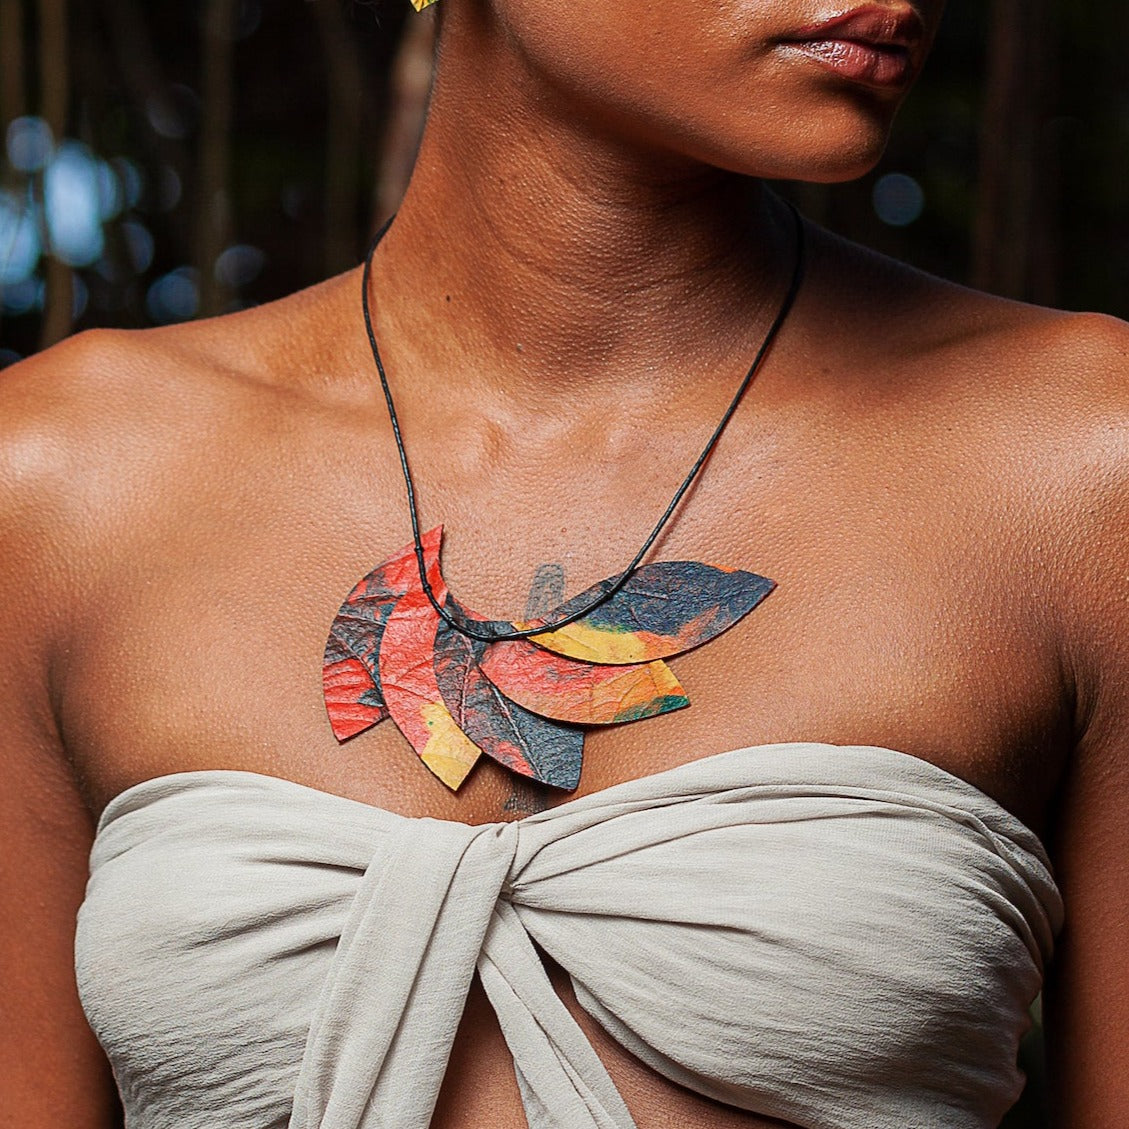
[(389, 654)]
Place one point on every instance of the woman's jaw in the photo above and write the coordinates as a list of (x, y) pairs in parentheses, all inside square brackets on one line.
[(780, 89)]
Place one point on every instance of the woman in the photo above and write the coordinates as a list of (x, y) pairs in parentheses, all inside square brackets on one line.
[(583, 268)]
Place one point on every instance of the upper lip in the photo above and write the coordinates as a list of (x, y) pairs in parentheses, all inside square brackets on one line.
[(873, 24)]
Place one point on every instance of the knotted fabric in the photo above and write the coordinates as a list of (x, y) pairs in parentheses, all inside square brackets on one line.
[(839, 937)]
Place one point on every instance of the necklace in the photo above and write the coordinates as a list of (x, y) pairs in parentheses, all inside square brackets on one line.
[(459, 686)]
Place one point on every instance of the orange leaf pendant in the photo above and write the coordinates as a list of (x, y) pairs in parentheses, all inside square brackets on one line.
[(521, 702)]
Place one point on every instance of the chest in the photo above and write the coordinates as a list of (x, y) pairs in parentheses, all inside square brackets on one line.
[(907, 614)]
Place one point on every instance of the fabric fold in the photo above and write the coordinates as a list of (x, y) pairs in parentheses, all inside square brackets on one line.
[(381, 1035), (840, 937), (563, 1082)]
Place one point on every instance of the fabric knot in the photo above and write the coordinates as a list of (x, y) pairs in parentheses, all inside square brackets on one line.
[(501, 841), (705, 916), (406, 956)]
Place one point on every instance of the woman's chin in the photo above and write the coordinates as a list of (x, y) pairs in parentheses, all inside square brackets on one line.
[(833, 150), (839, 168), (825, 148), (832, 163)]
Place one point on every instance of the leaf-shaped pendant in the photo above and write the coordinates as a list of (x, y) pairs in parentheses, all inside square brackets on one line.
[(411, 688), (533, 746), (581, 693), (350, 672), (662, 610), (389, 653)]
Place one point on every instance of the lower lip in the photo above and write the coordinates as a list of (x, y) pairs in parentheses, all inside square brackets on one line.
[(860, 62)]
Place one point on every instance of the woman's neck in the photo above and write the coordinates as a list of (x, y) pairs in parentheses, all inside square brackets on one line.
[(542, 246)]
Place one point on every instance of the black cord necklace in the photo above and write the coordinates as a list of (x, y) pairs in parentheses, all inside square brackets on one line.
[(459, 686), (492, 632)]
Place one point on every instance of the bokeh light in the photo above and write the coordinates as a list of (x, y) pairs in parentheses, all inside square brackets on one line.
[(898, 199), (74, 203), (19, 240), (132, 181), (29, 144), (80, 297), (169, 188), (239, 266), (23, 296), (174, 296), (173, 111), (139, 245)]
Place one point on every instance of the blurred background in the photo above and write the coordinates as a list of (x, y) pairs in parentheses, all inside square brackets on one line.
[(168, 161)]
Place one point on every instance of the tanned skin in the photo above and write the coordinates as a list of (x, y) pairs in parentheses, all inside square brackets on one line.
[(576, 282)]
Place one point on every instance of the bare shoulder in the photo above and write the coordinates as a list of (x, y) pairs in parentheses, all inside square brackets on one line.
[(1028, 409), (112, 438), (1031, 407), (1076, 446), (112, 376), (95, 435), (998, 334), (93, 426), (1016, 377), (1045, 394)]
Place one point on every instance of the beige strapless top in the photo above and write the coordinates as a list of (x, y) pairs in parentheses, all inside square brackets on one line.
[(840, 937)]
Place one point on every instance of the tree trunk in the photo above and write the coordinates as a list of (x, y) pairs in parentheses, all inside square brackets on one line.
[(54, 85), (144, 79), (1014, 246), (213, 192), (345, 81), (13, 91)]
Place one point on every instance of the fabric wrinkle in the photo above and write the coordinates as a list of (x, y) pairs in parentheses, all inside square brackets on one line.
[(383, 1030), (840, 937)]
